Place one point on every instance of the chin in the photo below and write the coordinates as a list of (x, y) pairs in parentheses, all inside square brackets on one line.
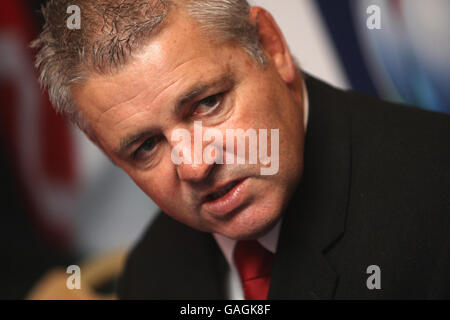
[(252, 222)]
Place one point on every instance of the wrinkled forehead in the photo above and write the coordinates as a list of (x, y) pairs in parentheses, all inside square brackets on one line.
[(181, 50)]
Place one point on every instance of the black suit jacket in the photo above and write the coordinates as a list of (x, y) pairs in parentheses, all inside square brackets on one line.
[(375, 191)]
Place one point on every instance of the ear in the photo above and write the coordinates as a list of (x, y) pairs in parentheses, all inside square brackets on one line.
[(273, 43)]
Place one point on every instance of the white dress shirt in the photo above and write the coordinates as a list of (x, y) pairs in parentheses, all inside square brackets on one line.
[(268, 241)]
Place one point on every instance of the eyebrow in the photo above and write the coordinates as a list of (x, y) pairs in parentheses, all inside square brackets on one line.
[(191, 94)]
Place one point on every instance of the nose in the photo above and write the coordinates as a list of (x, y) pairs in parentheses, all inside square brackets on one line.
[(193, 172), (191, 166)]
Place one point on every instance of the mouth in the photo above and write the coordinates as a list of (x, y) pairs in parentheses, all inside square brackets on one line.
[(226, 199), (222, 191)]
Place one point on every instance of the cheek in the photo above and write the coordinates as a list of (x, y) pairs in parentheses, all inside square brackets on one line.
[(256, 108), (163, 192), (268, 101)]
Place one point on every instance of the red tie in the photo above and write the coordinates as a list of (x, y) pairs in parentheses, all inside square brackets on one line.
[(253, 262)]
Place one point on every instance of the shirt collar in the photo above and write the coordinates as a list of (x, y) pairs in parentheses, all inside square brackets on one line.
[(305, 104), (268, 241)]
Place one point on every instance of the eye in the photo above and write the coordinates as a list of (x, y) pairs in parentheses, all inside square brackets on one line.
[(146, 148), (208, 104)]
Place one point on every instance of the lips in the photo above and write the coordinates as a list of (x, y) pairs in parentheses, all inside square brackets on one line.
[(226, 199), (223, 191)]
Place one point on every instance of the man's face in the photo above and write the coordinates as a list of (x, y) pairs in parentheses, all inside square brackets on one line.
[(180, 77)]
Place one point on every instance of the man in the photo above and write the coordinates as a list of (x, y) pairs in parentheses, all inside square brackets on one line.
[(358, 203)]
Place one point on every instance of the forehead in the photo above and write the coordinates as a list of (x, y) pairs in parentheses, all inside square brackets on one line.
[(180, 55)]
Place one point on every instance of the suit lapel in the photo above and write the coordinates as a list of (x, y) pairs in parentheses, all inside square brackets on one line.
[(315, 217), (206, 269), (174, 261)]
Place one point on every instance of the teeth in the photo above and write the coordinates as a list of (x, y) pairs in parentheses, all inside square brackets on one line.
[(221, 193)]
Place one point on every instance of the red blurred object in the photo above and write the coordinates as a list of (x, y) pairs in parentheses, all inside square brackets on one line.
[(37, 141)]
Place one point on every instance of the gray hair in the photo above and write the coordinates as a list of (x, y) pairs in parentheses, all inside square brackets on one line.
[(112, 30)]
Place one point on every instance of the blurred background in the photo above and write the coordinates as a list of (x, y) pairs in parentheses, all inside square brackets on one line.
[(63, 202)]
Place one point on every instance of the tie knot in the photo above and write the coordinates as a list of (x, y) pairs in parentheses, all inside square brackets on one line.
[(252, 260)]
